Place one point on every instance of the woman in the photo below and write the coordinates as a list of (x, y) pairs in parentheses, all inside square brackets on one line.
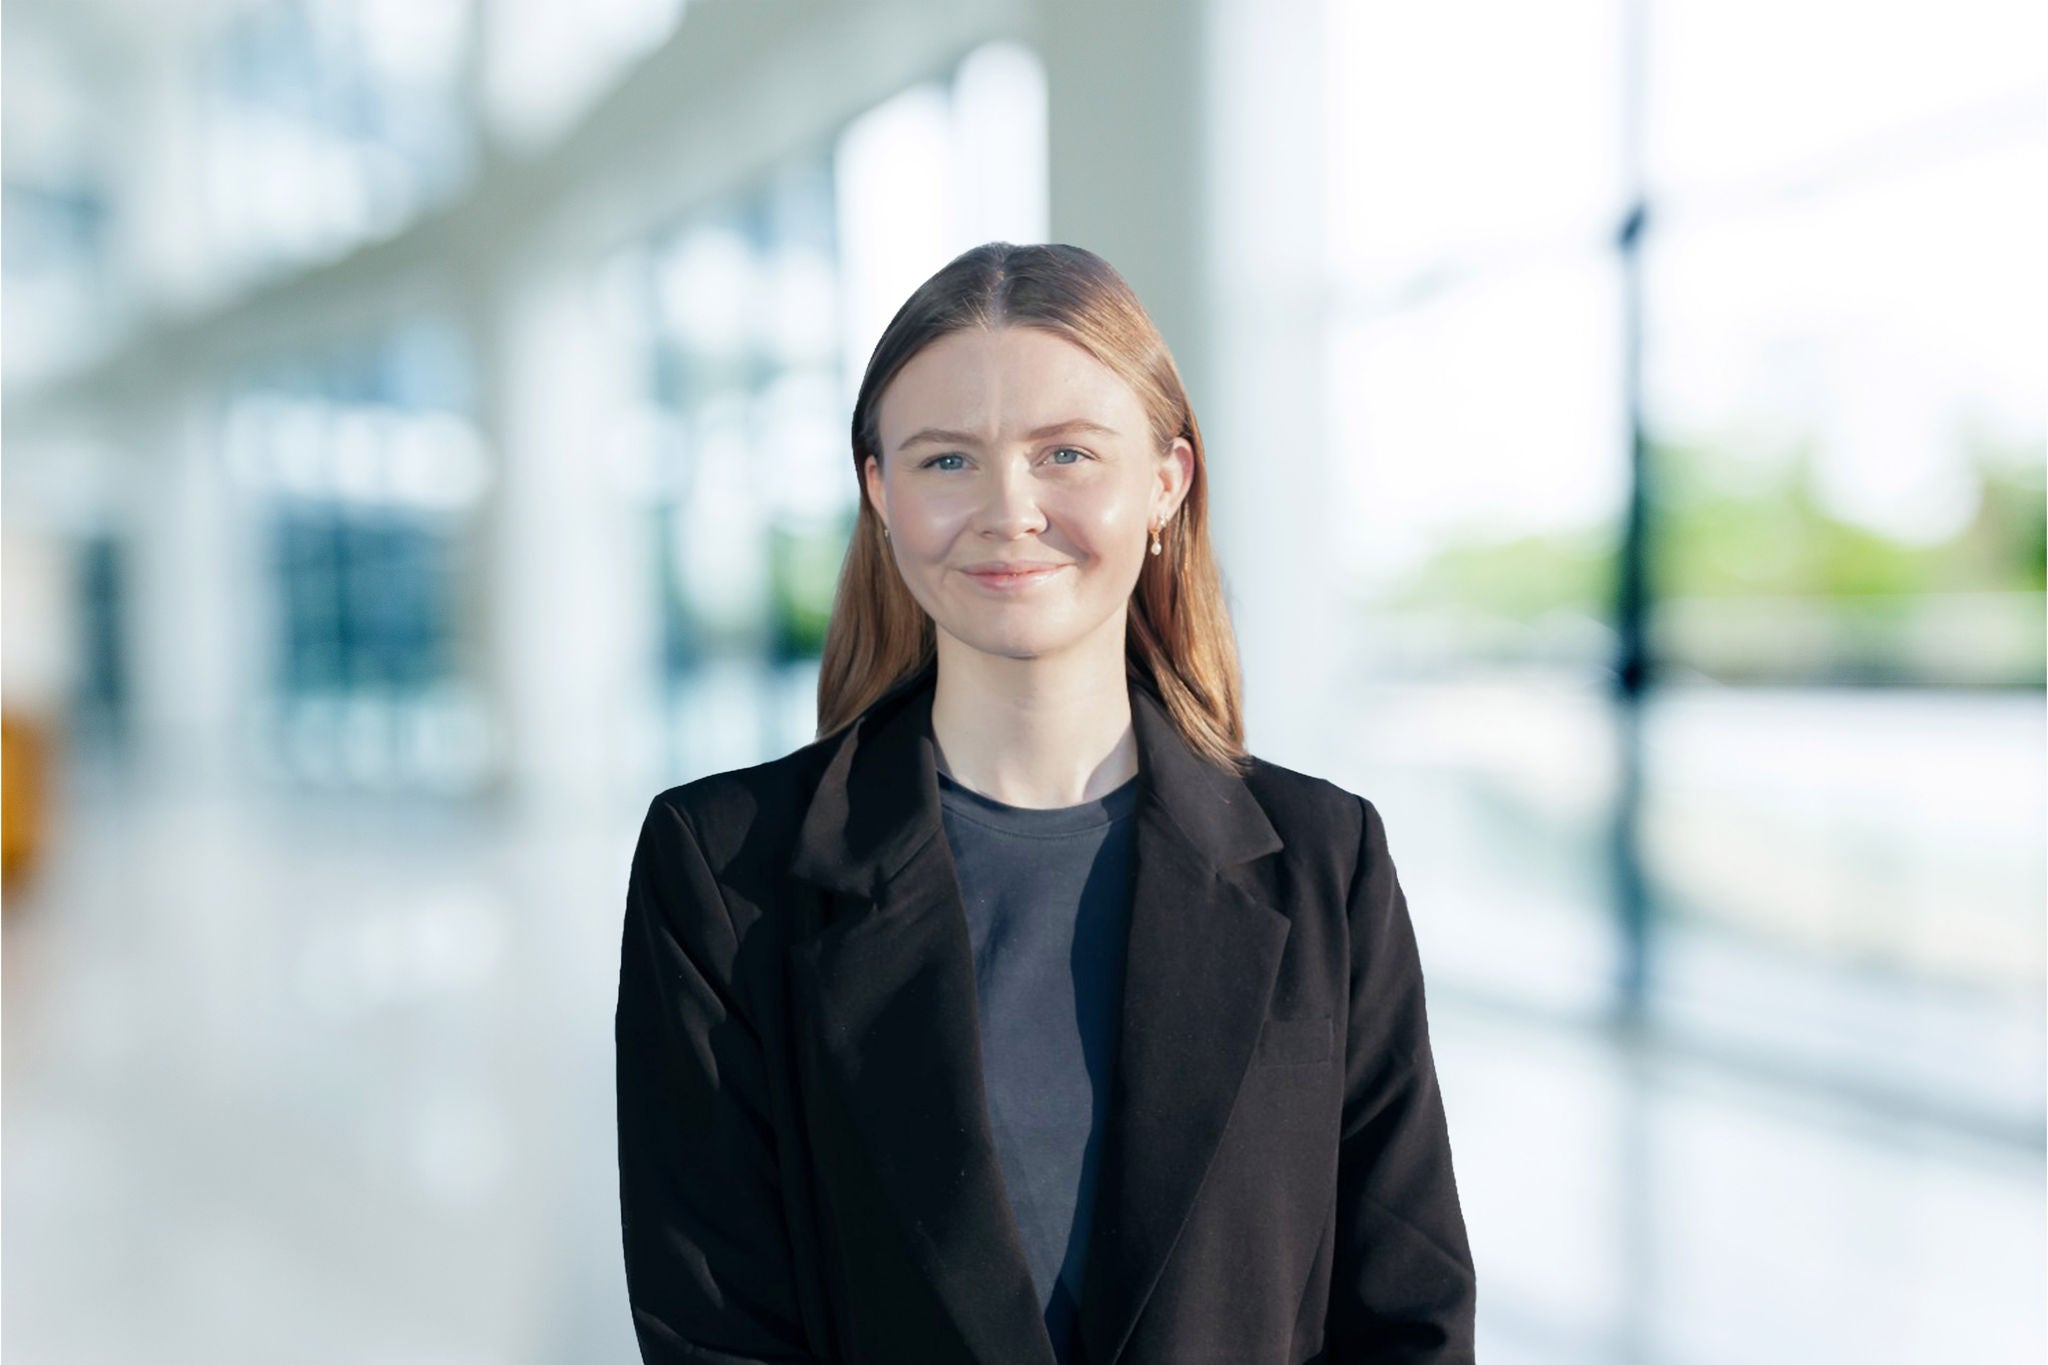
[(1024, 1016)]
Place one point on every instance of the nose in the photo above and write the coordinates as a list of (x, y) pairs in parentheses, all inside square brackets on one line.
[(1010, 507)]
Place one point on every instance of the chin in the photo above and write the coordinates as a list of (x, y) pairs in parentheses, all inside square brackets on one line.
[(1016, 644)]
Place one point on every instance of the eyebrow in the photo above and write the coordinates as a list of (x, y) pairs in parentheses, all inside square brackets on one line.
[(968, 438)]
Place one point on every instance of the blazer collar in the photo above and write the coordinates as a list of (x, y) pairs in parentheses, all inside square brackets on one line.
[(890, 983), (877, 801)]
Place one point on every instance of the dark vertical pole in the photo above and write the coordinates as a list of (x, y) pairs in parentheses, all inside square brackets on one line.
[(1633, 665), (1638, 1174)]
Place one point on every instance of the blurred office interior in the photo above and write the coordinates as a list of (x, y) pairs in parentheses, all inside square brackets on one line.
[(425, 439)]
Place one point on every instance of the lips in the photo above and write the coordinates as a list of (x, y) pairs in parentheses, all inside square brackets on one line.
[(1021, 576)]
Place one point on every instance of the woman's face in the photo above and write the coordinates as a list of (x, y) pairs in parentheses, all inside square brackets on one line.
[(1017, 447)]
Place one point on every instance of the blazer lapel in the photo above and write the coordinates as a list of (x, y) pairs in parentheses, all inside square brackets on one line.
[(891, 981), (1204, 954)]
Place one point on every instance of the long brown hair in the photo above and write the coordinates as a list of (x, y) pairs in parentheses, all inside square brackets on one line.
[(1179, 644)]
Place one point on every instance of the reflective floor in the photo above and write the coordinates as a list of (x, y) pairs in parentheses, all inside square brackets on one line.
[(313, 1080)]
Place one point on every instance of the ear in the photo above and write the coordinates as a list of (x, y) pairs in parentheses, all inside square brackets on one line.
[(1176, 474), (871, 481)]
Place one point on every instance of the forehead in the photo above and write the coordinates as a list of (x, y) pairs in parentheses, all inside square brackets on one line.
[(1001, 384)]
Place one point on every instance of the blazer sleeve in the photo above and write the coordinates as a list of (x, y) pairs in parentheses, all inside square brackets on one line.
[(709, 1271), (1402, 1289)]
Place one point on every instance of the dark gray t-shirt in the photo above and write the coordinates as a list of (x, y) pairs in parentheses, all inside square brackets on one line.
[(1048, 896)]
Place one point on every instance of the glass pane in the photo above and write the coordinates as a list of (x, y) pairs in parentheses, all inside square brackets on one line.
[(1741, 91), (1846, 390), (1469, 127), (1481, 450), (1848, 408), (1472, 424)]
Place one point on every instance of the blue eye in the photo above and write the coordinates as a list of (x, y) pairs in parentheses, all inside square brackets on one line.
[(955, 456)]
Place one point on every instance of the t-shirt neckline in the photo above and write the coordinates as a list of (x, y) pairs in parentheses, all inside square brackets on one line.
[(1106, 809)]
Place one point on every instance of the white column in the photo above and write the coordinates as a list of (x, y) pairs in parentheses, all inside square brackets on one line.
[(198, 616), (568, 609), (1125, 152), (1266, 421)]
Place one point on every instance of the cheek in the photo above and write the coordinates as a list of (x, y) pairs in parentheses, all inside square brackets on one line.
[(926, 545), (923, 520), (1111, 528)]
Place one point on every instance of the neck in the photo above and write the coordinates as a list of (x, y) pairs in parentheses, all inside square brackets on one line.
[(1037, 733)]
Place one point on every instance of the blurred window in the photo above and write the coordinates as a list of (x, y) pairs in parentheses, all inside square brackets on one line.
[(756, 315), (367, 469), (329, 124), (1841, 397)]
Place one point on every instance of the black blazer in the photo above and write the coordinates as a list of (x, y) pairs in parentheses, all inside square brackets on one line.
[(805, 1165)]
